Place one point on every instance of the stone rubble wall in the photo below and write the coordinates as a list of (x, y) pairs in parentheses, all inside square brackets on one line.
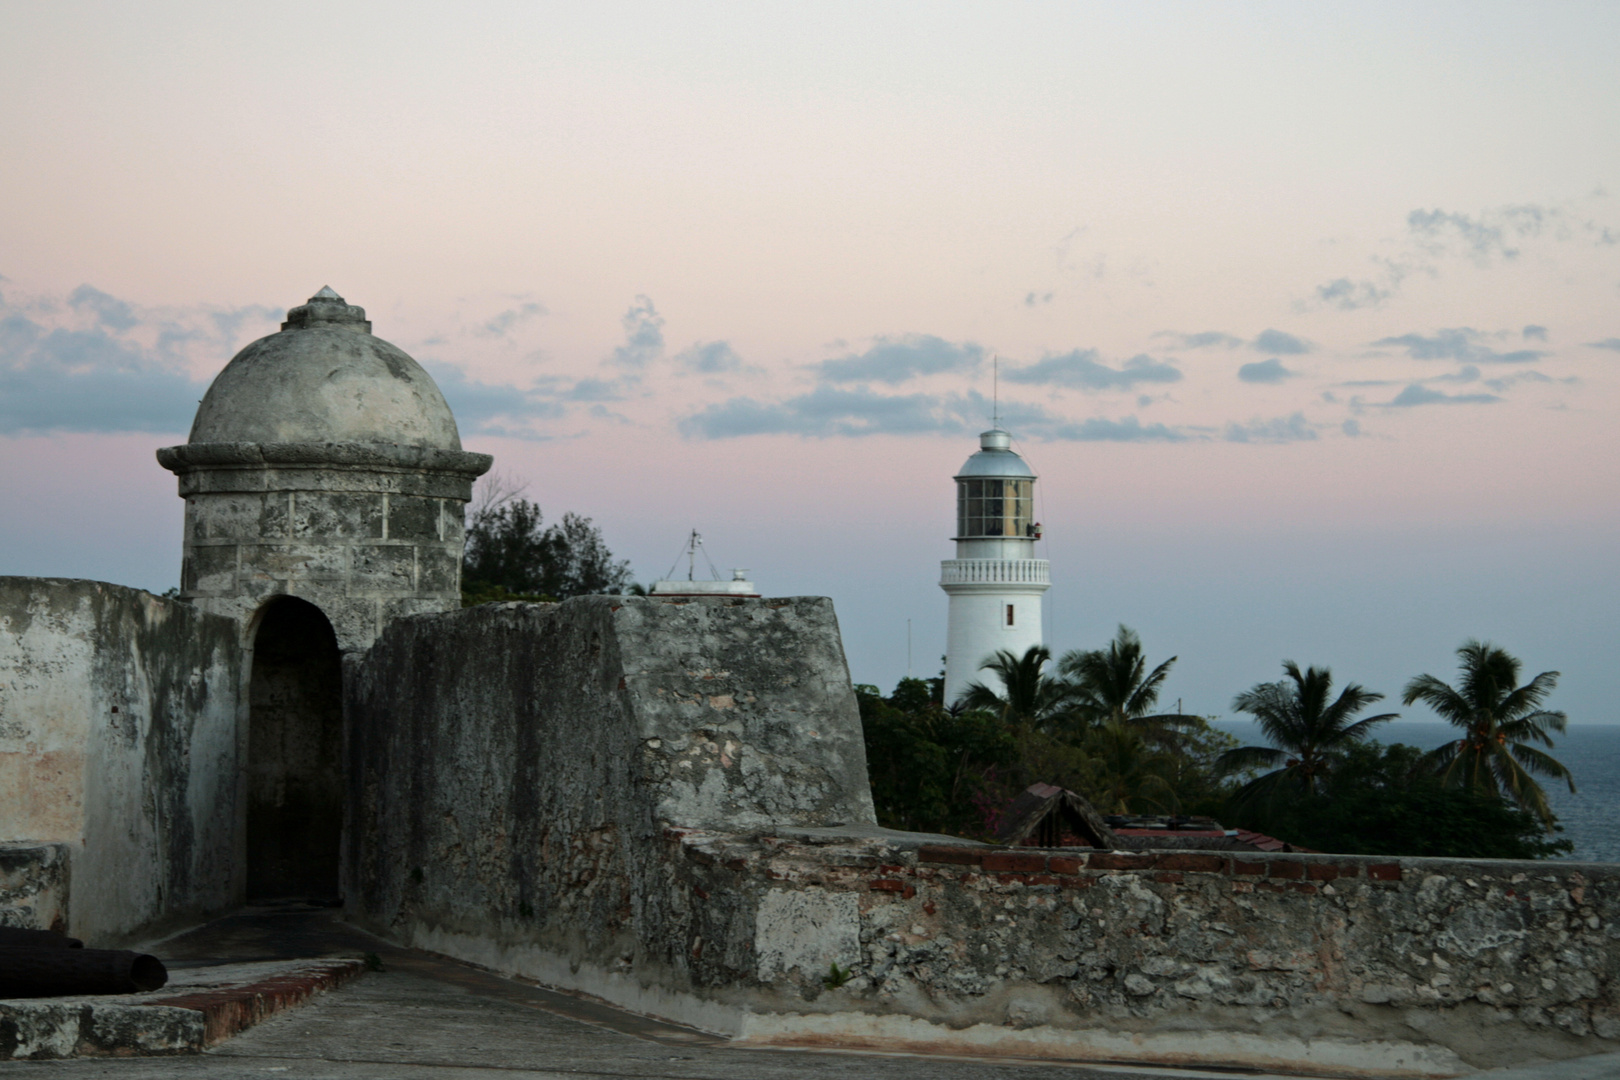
[(34, 880), (118, 741), (1423, 966), (513, 766)]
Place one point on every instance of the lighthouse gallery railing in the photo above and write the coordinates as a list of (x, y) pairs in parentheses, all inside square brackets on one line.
[(995, 572)]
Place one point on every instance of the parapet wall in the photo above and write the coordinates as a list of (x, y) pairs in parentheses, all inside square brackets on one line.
[(118, 743), (513, 766), (1338, 963)]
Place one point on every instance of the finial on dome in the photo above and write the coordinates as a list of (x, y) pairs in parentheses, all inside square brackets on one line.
[(326, 308)]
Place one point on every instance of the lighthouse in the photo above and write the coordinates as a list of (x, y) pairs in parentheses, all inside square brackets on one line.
[(995, 582)]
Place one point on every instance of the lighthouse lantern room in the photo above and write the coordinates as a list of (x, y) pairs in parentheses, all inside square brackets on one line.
[(995, 582)]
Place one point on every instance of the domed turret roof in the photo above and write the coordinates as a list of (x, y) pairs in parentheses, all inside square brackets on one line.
[(325, 379), (995, 458)]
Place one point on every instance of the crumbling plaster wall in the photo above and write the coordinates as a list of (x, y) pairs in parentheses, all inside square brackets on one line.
[(118, 740), (513, 766)]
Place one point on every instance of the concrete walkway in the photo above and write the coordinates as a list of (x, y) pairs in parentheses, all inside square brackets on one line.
[(429, 1018)]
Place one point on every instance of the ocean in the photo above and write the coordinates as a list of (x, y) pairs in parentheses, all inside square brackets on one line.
[(1590, 816)]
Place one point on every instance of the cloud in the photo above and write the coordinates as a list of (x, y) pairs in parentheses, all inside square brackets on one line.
[(1418, 394), (895, 360), (1281, 429), (643, 335), (1349, 295), (110, 312), (825, 411), (499, 325), (1081, 371), (1534, 333), (1032, 299), (1275, 341), (1491, 234), (594, 390), (1351, 427), (1606, 343), (497, 408), (710, 358), (1204, 340), (1495, 235), (1265, 371), (1101, 429), (86, 380), (92, 362), (829, 412), (1461, 344)]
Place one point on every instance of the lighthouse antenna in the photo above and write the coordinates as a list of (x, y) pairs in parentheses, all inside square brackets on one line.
[(995, 391)]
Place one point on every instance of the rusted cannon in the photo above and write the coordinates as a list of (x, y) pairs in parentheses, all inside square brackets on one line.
[(55, 971)]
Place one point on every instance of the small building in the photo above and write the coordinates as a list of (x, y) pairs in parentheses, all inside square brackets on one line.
[(1048, 816)]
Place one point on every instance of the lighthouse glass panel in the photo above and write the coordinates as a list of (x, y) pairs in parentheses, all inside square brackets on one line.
[(994, 508)]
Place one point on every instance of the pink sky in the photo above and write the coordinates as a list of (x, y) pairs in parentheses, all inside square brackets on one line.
[(1309, 317)]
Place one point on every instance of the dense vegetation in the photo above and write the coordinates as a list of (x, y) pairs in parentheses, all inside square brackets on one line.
[(1088, 722), (511, 554)]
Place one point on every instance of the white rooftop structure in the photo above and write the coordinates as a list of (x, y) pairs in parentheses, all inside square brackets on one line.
[(692, 585)]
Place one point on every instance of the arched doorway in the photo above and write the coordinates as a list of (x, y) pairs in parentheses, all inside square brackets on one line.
[(295, 751)]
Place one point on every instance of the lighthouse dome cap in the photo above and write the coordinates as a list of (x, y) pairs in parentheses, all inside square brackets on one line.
[(325, 379), (996, 458)]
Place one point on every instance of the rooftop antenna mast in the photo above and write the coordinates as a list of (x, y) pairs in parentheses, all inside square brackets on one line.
[(995, 390), (691, 553)]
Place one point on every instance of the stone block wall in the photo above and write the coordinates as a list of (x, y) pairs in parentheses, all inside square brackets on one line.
[(118, 741), (1340, 963), (367, 533), (513, 766)]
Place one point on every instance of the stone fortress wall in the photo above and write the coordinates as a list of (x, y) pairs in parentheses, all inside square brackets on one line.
[(118, 759), (664, 803)]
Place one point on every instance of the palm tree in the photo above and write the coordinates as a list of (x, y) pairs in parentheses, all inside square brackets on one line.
[(1114, 686), (1499, 720), (1127, 776), (1028, 694), (1308, 733)]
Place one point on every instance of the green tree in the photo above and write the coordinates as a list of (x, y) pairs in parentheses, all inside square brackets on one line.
[(931, 769), (1499, 721), (1378, 800), (1309, 734), (1114, 685), (1126, 774), (511, 554), (1028, 695)]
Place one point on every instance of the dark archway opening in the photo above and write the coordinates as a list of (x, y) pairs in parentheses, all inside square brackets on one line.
[(295, 752)]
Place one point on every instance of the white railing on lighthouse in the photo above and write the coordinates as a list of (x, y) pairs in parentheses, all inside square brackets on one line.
[(995, 572)]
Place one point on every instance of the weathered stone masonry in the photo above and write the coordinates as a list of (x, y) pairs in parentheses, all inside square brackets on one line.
[(664, 804), (1492, 961), (118, 757)]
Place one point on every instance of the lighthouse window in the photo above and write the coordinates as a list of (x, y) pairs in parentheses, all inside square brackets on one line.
[(1009, 614), (993, 507)]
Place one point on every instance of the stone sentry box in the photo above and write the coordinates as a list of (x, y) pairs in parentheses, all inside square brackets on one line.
[(324, 463)]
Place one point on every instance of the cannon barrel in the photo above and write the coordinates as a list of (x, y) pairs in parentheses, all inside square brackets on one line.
[(58, 972), (14, 937)]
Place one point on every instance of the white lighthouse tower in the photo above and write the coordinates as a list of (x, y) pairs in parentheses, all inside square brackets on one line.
[(995, 582)]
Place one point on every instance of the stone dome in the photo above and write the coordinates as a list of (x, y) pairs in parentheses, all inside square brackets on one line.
[(325, 379)]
